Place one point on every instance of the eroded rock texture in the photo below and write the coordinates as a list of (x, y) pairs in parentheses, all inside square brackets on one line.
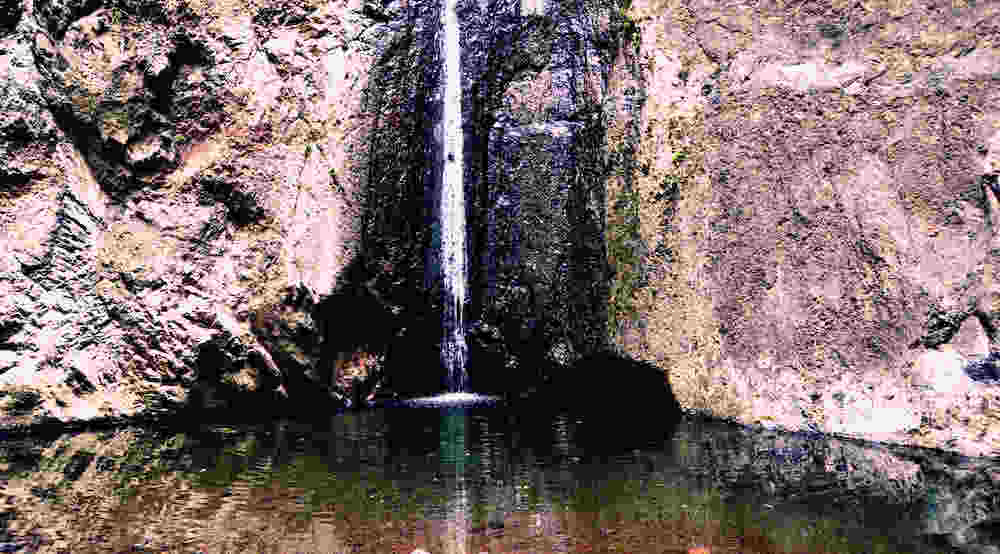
[(817, 203), (177, 186)]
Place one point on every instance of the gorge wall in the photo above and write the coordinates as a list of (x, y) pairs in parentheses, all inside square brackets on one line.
[(790, 209), (817, 205)]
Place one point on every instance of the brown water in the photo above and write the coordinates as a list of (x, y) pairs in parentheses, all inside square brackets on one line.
[(489, 479)]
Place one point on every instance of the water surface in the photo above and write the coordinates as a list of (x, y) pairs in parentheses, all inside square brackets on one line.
[(485, 479)]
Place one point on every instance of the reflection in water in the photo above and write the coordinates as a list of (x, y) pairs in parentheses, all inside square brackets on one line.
[(490, 479), (453, 454)]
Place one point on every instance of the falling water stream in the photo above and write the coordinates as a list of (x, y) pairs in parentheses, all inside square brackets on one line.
[(453, 348)]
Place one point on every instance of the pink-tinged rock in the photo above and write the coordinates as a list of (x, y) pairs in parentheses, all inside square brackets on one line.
[(150, 152), (182, 196), (941, 371), (971, 341), (831, 248), (808, 76)]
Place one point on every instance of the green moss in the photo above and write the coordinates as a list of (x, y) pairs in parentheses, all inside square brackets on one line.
[(623, 252), (624, 29), (625, 247), (119, 117), (630, 31)]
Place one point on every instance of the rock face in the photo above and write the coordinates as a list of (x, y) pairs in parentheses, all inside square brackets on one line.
[(177, 195), (790, 210), (200, 199), (816, 208), (537, 194), (535, 127)]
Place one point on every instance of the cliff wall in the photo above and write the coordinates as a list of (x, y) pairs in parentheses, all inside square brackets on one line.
[(790, 209), (816, 210), (178, 188)]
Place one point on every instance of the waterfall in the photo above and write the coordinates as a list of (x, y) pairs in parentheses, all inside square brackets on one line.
[(453, 348)]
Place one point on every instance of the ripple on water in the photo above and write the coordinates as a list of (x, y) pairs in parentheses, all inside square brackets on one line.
[(445, 480)]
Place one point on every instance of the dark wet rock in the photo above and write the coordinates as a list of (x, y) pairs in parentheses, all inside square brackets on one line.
[(22, 454), (611, 384), (535, 213), (77, 465), (10, 15), (526, 262), (243, 204), (986, 370), (44, 493), (496, 368), (982, 538), (104, 463), (57, 15), (416, 346), (535, 231), (22, 401)]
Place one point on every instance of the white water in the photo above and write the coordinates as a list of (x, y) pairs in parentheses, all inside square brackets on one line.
[(453, 399), (453, 348)]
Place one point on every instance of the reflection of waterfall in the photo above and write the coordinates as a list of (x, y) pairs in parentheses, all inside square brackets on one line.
[(453, 452), (453, 347)]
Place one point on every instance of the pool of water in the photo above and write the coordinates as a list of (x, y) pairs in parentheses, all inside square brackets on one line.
[(486, 478)]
